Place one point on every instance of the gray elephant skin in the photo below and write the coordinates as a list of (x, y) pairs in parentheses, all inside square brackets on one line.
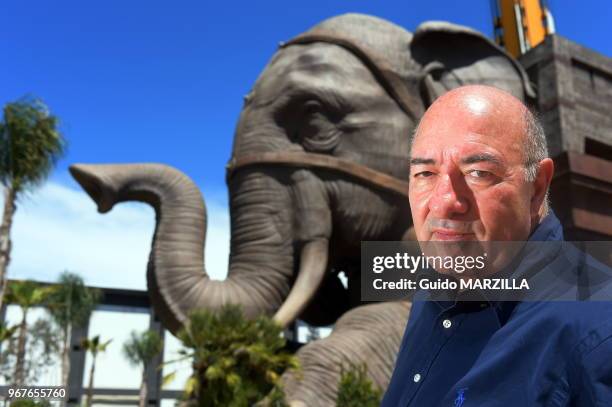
[(294, 227)]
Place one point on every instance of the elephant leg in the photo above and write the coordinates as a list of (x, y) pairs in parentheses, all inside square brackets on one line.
[(369, 334)]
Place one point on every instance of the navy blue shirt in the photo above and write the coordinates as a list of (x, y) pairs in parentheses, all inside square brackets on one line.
[(463, 354)]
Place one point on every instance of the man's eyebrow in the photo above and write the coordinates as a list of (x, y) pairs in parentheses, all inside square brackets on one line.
[(477, 158), (418, 160)]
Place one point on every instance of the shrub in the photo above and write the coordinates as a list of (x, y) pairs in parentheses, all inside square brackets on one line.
[(236, 361), (356, 389)]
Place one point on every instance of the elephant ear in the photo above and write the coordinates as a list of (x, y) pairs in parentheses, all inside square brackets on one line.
[(452, 55)]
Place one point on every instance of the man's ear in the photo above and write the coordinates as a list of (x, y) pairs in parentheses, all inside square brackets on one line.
[(546, 169), (452, 55)]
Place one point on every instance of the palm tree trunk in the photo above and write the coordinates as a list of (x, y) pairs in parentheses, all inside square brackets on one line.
[(10, 207), (143, 389), (66, 357), (21, 348), (91, 382)]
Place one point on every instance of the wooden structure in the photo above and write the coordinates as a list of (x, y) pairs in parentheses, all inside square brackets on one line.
[(574, 86)]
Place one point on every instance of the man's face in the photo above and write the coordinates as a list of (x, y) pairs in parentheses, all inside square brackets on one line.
[(467, 175)]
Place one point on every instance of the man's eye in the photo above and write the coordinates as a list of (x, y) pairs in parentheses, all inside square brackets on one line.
[(423, 174), (479, 174)]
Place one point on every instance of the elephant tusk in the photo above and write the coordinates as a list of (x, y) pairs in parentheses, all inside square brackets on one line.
[(313, 263)]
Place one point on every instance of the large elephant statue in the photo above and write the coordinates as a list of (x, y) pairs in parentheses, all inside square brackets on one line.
[(319, 164)]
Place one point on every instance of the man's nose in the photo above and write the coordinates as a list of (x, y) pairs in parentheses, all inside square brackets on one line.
[(449, 197)]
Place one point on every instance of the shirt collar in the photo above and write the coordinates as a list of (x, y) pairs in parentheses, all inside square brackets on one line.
[(549, 229)]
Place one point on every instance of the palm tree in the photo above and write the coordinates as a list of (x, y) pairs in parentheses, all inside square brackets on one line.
[(26, 294), (140, 350), (71, 304), (30, 145), (94, 346)]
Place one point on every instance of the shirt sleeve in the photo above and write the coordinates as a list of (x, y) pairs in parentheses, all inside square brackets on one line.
[(595, 389)]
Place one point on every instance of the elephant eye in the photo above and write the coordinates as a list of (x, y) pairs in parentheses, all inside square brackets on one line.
[(313, 118), (310, 120), (316, 130), (312, 107)]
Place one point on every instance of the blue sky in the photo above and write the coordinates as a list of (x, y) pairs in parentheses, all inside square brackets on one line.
[(161, 81)]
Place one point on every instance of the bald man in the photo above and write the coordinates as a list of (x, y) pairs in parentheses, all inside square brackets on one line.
[(480, 171)]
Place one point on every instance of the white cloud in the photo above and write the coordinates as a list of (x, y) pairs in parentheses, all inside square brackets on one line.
[(58, 228)]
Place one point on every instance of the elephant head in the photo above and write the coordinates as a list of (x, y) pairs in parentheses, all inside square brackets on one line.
[(451, 55), (317, 99), (319, 163)]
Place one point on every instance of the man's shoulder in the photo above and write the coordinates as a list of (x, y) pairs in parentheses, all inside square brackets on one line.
[(581, 314), (578, 326), (585, 255), (593, 278), (573, 273)]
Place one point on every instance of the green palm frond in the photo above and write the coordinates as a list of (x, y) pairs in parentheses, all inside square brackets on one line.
[(30, 143), (142, 347), (94, 345), (27, 293), (71, 302), (168, 378), (7, 332), (356, 388), (237, 361)]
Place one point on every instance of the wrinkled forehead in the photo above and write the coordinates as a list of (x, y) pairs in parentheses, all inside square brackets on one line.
[(318, 66)]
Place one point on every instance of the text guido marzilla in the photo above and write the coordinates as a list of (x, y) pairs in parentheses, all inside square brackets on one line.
[(463, 284)]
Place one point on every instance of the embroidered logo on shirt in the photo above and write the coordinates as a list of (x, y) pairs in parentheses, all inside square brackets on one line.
[(460, 399)]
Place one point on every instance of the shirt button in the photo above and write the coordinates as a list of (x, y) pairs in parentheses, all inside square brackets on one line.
[(417, 378), (447, 323)]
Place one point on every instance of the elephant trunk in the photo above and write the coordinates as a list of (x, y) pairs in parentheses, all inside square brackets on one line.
[(261, 259)]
